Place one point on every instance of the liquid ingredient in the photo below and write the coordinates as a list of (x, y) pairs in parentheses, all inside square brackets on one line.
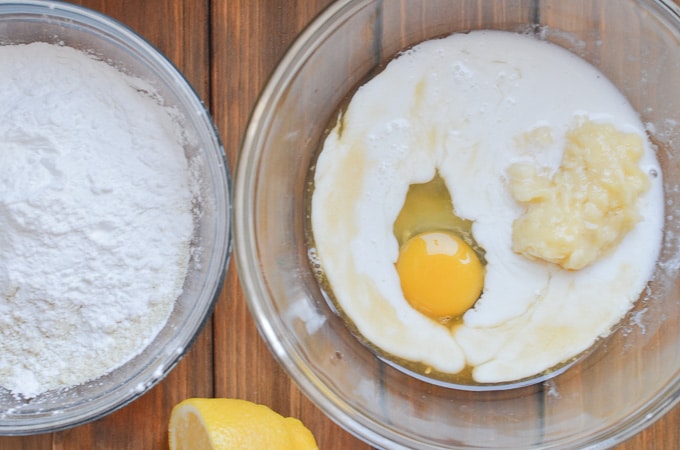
[(95, 217), (468, 108)]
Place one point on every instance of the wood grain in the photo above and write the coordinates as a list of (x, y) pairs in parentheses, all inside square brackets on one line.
[(246, 368), (227, 49)]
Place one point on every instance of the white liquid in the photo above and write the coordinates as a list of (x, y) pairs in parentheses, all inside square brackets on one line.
[(456, 105)]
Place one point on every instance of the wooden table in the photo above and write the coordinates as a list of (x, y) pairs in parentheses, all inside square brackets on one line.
[(227, 48)]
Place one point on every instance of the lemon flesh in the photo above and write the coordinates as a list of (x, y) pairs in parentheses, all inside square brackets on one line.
[(221, 423)]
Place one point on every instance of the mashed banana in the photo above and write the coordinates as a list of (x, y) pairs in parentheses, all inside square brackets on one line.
[(588, 205)]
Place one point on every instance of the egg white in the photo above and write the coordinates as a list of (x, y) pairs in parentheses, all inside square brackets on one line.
[(456, 105)]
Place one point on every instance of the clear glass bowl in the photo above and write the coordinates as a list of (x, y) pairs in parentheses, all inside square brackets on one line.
[(70, 25), (622, 386)]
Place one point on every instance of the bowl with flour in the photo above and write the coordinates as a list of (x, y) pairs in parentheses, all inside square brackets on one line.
[(396, 131), (114, 216)]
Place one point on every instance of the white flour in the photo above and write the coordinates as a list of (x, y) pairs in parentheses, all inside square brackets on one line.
[(95, 217)]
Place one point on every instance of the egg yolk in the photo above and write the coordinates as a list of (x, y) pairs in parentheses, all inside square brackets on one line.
[(441, 275)]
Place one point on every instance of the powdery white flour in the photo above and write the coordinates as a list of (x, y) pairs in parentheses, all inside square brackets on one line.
[(95, 217)]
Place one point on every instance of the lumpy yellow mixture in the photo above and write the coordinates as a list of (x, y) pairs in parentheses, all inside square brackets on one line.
[(588, 205)]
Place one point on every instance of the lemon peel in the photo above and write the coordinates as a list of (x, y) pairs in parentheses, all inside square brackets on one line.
[(223, 423)]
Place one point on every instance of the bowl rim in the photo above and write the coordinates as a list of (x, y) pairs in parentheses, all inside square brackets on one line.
[(254, 284)]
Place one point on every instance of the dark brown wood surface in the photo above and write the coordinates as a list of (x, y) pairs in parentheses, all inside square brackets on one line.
[(226, 49)]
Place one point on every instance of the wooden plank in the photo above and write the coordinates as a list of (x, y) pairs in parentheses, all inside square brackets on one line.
[(37, 442), (244, 367), (178, 28)]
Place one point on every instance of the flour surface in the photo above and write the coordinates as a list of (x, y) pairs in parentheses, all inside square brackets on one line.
[(95, 217)]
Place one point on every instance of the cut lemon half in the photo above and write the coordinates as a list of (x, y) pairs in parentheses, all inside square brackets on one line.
[(222, 423)]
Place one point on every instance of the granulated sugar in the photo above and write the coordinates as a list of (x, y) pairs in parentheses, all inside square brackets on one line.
[(95, 217)]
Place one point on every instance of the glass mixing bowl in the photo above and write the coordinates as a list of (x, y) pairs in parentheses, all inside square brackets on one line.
[(626, 383), (65, 24)]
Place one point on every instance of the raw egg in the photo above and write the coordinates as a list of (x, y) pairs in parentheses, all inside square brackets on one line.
[(440, 274), (440, 264)]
